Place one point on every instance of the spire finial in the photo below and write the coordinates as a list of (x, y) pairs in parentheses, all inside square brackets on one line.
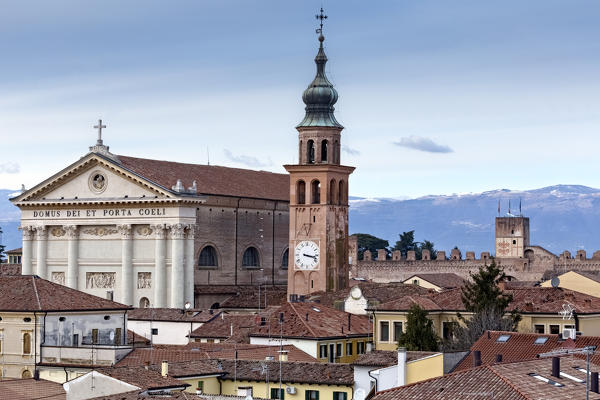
[(321, 17), (99, 127)]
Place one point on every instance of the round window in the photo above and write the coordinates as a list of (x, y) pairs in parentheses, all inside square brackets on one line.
[(97, 182)]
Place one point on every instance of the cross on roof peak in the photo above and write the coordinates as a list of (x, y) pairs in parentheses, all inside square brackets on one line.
[(99, 127), (321, 17)]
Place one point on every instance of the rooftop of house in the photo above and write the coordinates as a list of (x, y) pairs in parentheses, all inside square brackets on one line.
[(248, 298), (204, 351), (171, 315), (137, 340), (30, 293), (230, 327), (514, 346), (15, 251), (383, 358), (526, 380), (527, 300), (144, 378), (312, 321), (10, 269), (212, 179), (441, 280), (291, 372), (28, 389)]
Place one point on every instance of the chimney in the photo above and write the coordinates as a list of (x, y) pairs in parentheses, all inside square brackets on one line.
[(401, 366), (498, 358), (594, 382), (369, 347), (476, 358), (307, 316), (349, 322), (556, 367), (283, 355), (164, 370)]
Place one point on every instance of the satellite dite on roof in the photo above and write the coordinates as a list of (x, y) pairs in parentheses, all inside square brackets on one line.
[(555, 282)]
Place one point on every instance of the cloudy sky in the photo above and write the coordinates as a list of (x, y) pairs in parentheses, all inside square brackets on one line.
[(437, 97)]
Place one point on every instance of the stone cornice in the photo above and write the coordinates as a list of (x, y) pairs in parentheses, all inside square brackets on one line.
[(103, 202)]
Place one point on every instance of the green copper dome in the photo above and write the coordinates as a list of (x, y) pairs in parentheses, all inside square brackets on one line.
[(320, 96)]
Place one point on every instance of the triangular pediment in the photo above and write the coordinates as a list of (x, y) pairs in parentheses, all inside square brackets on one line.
[(94, 178)]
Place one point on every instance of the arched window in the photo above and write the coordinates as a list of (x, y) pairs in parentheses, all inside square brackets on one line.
[(285, 259), (315, 191), (324, 151), (144, 302), (336, 152), (26, 374), (250, 258), (208, 257), (26, 343), (301, 192), (342, 194), (310, 152), (332, 187)]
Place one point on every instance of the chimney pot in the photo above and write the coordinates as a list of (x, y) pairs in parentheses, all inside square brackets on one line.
[(164, 371), (594, 382), (476, 358), (556, 367)]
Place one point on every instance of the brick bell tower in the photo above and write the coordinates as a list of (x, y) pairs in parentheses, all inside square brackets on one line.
[(318, 193)]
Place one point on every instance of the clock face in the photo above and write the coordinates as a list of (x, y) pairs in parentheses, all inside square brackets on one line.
[(306, 255)]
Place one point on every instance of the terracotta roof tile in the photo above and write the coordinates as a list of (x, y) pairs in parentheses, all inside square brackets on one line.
[(248, 298), (383, 358), (29, 389), (443, 280), (522, 346), (32, 293), (376, 293), (314, 321), (10, 269), (136, 340), (170, 315), (142, 377), (212, 179), (223, 327), (15, 251), (203, 351)]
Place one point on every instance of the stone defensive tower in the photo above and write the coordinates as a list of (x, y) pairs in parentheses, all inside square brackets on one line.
[(512, 236), (318, 193)]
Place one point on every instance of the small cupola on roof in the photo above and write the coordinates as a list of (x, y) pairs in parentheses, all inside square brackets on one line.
[(320, 96)]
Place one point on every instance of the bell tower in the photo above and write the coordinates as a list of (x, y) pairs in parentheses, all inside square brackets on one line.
[(318, 192)]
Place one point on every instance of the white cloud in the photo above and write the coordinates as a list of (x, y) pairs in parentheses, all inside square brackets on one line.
[(350, 150), (423, 144), (9, 168)]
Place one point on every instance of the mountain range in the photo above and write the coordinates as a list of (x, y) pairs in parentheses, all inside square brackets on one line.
[(562, 217)]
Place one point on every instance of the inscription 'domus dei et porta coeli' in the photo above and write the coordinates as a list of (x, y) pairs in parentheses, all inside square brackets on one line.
[(98, 213)]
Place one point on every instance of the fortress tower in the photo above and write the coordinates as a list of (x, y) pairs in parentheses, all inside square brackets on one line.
[(512, 236), (318, 193)]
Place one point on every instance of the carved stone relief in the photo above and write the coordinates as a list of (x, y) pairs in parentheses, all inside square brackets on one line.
[(144, 280), (99, 280), (58, 277), (144, 230), (57, 232), (100, 231)]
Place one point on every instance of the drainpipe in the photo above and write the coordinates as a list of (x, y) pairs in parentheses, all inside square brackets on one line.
[(273, 245), (35, 333), (375, 379), (237, 211)]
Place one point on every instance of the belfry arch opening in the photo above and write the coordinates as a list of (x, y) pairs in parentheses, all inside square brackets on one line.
[(310, 152), (342, 193), (332, 192), (301, 192), (315, 191), (324, 146)]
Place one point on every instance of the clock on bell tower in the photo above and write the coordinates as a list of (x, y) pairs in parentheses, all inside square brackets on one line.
[(318, 193)]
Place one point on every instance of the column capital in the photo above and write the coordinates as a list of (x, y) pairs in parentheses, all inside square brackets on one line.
[(41, 232), (28, 232), (160, 230), (178, 231), (71, 231), (191, 231), (125, 230)]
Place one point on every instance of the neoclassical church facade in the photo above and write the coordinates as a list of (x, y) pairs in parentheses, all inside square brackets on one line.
[(152, 233)]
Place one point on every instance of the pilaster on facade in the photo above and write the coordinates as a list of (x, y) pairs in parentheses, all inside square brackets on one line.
[(41, 237), (72, 234), (127, 287), (26, 258), (160, 267), (190, 235), (177, 264)]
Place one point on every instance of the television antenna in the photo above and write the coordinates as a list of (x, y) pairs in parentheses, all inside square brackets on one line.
[(567, 311), (587, 350)]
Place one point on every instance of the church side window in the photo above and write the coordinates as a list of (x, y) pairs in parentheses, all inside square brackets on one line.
[(250, 258), (332, 187), (208, 257), (285, 259), (301, 192), (310, 151), (315, 190), (324, 151)]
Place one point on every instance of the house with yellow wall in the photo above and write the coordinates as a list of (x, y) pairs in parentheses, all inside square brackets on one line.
[(543, 310), (579, 281), (325, 333), (437, 282), (282, 380)]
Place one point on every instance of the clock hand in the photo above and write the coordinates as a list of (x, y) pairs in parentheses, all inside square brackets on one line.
[(307, 255)]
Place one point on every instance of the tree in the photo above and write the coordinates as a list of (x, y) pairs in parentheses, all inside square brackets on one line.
[(406, 243), (2, 247), (483, 292), (371, 243), (419, 335)]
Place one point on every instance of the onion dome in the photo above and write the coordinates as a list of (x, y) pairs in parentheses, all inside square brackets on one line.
[(320, 96)]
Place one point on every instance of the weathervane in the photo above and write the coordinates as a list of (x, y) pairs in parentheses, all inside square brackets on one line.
[(321, 17)]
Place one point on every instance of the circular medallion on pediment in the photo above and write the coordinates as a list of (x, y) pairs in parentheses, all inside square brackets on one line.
[(97, 182)]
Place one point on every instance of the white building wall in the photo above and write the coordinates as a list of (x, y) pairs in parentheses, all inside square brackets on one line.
[(307, 346), (168, 332)]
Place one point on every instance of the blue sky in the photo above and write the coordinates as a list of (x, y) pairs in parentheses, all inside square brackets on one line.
[(437, 97)]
